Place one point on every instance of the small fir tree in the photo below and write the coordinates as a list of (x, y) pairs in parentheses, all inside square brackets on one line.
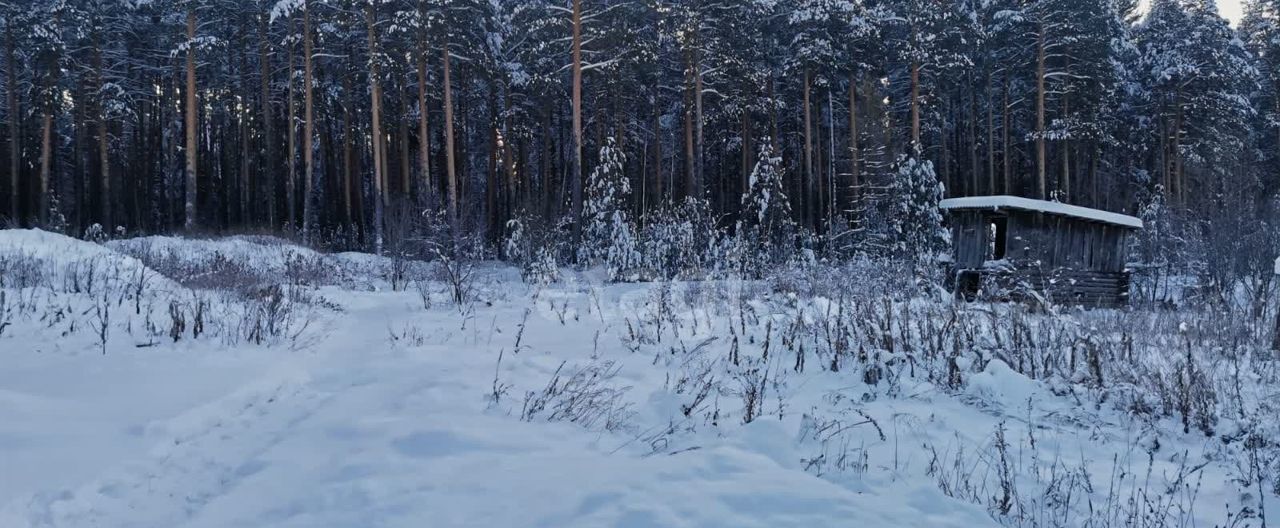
[(916, 219), (608, 237), (765, 229)]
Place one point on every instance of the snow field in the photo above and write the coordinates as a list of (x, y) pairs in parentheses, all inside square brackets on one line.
[(574, 404)]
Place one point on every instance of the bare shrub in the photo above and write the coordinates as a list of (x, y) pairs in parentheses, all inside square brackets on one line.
[(6, 311), (459, 274), (840, 446), (423, 285), (410, 335), (266, 316), (584, 395), (308, 270), (102, 319), (753, 381), (20, 271), (177, 321)]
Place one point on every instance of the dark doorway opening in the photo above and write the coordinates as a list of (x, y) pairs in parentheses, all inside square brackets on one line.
[(998, 235)]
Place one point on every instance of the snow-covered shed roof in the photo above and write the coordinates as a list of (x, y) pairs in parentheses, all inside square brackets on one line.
[(1041, 206)]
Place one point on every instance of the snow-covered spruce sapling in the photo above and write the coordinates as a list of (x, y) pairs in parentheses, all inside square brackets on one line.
[(765, 231), (532, 245), (677, 240), (915, 220), (608, 236), (542, 269)]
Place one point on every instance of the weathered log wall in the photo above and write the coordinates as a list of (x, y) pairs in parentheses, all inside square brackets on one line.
[(1066, 260)]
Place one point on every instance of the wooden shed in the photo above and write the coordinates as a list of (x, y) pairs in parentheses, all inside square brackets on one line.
[(1014, 247)]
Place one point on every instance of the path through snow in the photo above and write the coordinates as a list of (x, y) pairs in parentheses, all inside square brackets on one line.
[(358, 432)]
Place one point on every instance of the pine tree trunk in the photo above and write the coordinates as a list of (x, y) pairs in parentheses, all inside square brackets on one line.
[(1066, 190), (1041, 180), (775, 137), (104, 161), (689, 156), (406, 167), (657, 149), (975, 163), (461, 156), (547, 152), (76, 165), (855, 154), (1094, 196), (375, 107), (15, 133), (1179, 179), (1167, 154), (747, 152), (991, 138), (268, 131), (424, 132), (699, 162), (46, 138), (509, 162), (915, 107), (348, 158), (491, 175), (1005, 155), (246, 136), (191, 109), (46, 160), (806, 185), (449, 154), (308, 156), (945, 140), (291, 180), (577, 121)]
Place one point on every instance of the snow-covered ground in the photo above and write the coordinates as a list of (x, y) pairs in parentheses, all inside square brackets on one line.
[(575, 404)]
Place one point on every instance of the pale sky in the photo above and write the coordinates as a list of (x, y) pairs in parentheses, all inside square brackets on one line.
[(1232, 10)]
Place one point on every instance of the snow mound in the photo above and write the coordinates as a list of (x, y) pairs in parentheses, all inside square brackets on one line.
[(52, 247), (263, 253), (1000, 384), (67, 258)]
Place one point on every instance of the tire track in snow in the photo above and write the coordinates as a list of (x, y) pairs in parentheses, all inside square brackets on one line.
[(208, 450)]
